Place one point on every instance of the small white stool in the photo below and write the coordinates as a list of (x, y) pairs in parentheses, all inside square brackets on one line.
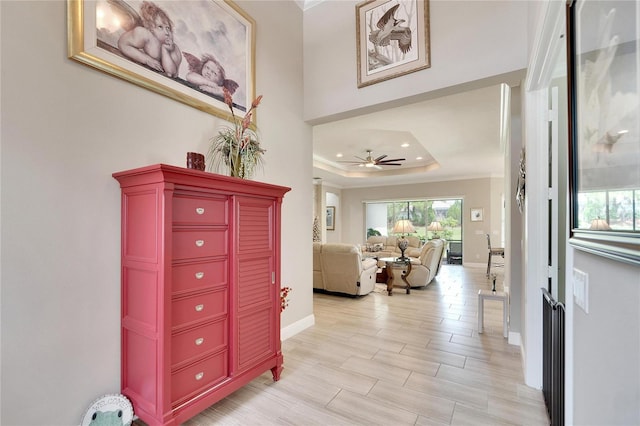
[(492, 295)]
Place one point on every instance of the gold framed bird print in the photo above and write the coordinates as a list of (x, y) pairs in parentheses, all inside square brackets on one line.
[(392, 39)]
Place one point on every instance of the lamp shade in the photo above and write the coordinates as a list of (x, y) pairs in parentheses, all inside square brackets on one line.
[(600, 225), (403, 226), (435, 227)]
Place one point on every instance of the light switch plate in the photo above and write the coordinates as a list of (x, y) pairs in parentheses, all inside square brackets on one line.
[(581, 289)]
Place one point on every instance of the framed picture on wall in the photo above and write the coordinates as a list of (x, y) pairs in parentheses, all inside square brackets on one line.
[(392, 39), (188, 51), (331, 218), (603, 53), (477, 215)]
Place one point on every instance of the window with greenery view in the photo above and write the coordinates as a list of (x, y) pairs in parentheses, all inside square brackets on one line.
[(619, 208), (381, 216)]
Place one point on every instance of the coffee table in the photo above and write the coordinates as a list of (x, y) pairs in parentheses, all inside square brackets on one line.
[(395, 263)]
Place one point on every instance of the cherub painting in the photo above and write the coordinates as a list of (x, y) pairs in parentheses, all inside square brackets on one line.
[(161, 45), (208, 75), (148, 37)]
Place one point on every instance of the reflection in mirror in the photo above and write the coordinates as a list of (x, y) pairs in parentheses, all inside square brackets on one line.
[(619, 209)]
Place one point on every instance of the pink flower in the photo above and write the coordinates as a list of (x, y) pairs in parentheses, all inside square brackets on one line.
[(227, 98), (247, 120), (256, 102)]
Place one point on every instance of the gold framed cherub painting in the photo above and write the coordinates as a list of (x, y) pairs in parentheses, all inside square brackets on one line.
[(189, 51)]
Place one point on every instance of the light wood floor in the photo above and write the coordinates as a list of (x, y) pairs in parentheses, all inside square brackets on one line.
[(412, 359)]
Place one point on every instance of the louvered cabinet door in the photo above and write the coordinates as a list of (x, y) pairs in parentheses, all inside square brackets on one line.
[(255, 272)]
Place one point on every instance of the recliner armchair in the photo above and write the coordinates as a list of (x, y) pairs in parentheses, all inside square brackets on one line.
[(340, 268), (425, 267)]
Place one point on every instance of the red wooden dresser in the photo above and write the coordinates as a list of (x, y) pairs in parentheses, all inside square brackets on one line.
[(200, 288)]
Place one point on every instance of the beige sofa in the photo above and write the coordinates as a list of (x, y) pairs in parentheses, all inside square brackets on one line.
[(425, 267), (381, 246), (340, 268)]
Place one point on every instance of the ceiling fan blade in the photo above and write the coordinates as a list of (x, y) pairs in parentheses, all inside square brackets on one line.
[(380, 158), (378, 167), (391, 160), (360, 158), (350, 162), (390, 164)]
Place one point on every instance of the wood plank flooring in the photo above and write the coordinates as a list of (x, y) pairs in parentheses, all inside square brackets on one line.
[(413, 359)]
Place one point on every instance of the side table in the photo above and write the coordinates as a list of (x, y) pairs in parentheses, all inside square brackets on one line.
[(492, 295), (392, 264)]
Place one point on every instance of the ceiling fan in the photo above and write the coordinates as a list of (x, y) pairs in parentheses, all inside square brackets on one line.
[(374, 162)]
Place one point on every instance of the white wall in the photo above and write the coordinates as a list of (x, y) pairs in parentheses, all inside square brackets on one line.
[(470, 41), (0, 217), (65, 129), (606, 360)]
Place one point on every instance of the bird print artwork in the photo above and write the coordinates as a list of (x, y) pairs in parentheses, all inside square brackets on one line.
[(390, 36), (392, 39), (604, 89), (605, 143), (390, 28), (607, 109)]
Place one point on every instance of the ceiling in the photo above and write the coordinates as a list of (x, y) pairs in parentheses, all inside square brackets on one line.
[(458, 136)]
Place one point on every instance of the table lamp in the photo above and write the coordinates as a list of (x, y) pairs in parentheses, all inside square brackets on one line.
[(403, 226), (435, 227), (599, 225)]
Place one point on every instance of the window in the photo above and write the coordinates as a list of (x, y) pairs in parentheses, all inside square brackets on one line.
[(381, 216)]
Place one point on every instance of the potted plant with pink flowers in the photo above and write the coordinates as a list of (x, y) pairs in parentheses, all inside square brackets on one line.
[(236, 148)]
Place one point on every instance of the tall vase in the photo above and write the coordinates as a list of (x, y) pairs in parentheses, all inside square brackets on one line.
[(237, 167)]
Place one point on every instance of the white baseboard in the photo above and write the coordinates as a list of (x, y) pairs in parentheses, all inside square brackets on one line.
[(474, 265), (515, 339), (297, 327)]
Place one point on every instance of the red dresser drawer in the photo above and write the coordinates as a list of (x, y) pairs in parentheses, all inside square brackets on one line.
[(197, 341), (187, 382), (194, 210), (193, 276), (189, 244), (199, 308)]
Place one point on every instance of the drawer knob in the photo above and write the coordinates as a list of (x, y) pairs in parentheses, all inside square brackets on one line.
[(200, 210), (199, 275), (200, 375), (199, 243), (199, 341), (199, 308)]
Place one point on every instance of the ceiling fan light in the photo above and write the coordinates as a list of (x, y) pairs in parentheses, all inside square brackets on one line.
[(369, 161)]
